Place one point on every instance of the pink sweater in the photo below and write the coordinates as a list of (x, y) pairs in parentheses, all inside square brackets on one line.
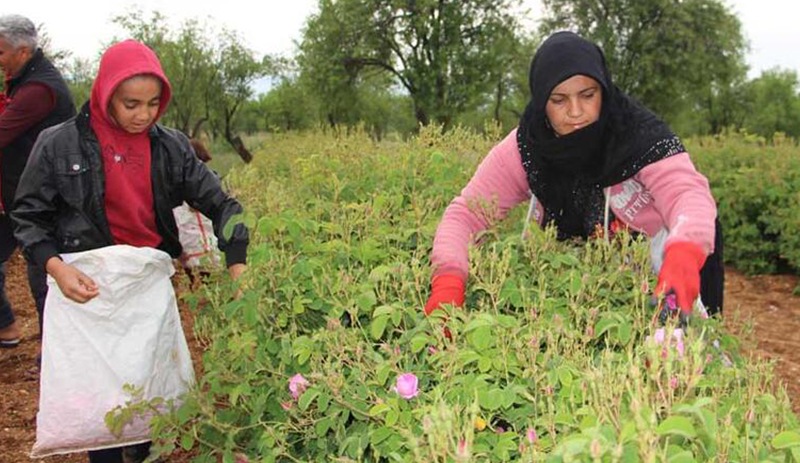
[(667, 197)]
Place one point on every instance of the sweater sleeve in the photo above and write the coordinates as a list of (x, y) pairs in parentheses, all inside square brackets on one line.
[(498, 185), (683, 198), (30, 105)]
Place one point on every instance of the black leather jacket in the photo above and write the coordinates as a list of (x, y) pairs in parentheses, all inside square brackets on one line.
[(60, 207)]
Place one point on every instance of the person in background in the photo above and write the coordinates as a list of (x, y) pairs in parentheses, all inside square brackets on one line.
[(112, 176), (589, 158), (35, 97), (196, 233)]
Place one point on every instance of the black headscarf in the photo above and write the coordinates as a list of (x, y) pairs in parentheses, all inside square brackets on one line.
[(568, 173)]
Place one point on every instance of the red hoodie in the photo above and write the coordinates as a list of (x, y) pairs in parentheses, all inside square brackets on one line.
[(126, 156)]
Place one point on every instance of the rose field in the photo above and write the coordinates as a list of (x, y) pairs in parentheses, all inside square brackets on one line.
[(556, 356)]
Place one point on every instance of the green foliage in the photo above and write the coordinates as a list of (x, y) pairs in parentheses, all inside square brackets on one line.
[(211, 79), (773, 104), (447, 55), (79, 75), (757, 188), (550, 360)]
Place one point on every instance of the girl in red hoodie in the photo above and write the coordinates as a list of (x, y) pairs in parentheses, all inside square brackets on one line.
[(112, 176)]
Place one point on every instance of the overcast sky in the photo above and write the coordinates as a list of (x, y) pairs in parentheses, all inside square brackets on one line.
[(83, 27)]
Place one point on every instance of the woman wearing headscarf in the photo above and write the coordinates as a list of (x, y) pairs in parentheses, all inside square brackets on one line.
[(588, 157), (112, 176)]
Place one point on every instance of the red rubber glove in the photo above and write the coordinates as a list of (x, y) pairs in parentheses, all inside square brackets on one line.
[(445, 289), (680, 273)]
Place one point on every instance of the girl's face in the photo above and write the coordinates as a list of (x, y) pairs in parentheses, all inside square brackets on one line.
[(135, 103), (574, 104)]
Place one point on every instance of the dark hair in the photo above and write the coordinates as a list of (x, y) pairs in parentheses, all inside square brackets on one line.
[(200, 150)]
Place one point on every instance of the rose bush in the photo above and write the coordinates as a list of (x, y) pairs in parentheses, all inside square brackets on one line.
[(328, 357)]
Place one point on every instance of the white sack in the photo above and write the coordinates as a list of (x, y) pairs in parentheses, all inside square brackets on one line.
[(196, 234), (129, 334)]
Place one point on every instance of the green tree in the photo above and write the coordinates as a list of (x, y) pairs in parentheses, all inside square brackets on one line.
[(210, 80), (447, 55), (773, 104), (672, 55), (231, 86), (187, 62), (79, 74), (506, 103)]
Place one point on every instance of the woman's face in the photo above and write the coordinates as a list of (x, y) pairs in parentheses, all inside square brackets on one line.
[(12, 59), (135, 103), (574, 104)]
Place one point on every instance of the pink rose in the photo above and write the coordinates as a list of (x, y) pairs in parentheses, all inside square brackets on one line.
[(531, 436), (406, 386), (297, 384)]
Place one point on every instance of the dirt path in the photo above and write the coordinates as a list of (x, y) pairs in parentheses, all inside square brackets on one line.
[(766, 303)]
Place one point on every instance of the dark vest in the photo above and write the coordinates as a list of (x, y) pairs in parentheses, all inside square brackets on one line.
[(15, 155)]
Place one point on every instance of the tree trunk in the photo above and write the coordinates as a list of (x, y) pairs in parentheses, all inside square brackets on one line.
[(236, 142), (196, 129), (422, 117), (498, 102)]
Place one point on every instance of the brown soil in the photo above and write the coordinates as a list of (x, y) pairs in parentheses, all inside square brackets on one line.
[(762, 308)]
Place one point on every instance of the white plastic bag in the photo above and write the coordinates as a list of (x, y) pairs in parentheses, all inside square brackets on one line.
[(196, 234), (129, 334)]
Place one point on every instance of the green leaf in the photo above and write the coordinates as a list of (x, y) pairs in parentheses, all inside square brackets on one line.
[(250, 314), (509, 396), (378, 409), (567, 259), (480, 321), (378, 326), (323, 425), (187, 441), (382, 310), (467, 356), (380, 435), (628, 432), (397, 317), (682, 457), (491, 399), (677, 425), (187, 411), (391, 417), (786, 439), (624, 332), (605, 324), (323, 402), (302, 348), (307, 398), (379, 273), (485, 364), (709, 423), (419, 342), (590, 421), (298, 305), (482, 338), (564, 376), (366, 300), (382, 373)]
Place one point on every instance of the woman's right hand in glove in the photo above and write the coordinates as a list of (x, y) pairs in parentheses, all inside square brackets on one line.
[(445, 289)]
